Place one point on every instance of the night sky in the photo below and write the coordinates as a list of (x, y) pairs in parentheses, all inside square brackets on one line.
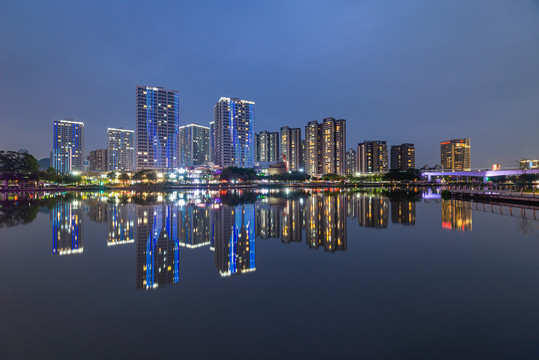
[(401, 71)]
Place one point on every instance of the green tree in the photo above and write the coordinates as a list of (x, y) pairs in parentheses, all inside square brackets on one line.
[(111, 175), (124, 177)]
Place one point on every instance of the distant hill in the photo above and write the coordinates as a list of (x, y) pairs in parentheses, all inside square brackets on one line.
[(44, 163)]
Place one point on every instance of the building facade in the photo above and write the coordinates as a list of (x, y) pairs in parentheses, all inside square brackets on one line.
[(312, 148), (291, 147), (67, 146), (403, 157), (325, 147), (267, 146), (234, 134), (455, 154), (351, 162), (98, 160), (372, 157), (194, 145), (121, 149), (212, 142), (158, 118)]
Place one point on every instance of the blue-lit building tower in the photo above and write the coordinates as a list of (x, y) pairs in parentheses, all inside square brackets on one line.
[(158, 122), (67, 146), (157, 242), (234, 133), (235, 239), (67, 228)]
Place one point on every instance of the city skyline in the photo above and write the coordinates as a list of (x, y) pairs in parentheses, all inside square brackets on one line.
[(415, 86)]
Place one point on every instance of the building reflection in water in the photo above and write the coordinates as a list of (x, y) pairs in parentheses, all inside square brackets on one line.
[(235, 239), (67, 228), (97, 210), (372, 211), (325, 222), (403, 212), (268, 220), (195, 226), (120, 224), (198, 220), (158, 250), (292, 221), (457, 215)]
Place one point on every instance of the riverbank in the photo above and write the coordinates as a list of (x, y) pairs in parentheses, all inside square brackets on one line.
[(219, 186)]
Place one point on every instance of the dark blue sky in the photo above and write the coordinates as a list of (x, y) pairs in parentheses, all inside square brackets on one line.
[(401, 71)]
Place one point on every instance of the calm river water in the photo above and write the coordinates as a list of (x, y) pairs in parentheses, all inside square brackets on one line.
[(267, 274)]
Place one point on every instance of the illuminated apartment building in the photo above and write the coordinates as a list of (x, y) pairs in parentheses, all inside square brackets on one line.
[(98, 160), (267, 146), (403, 157), (291, 147), (351, 161), (234, 134), (372, 157), (158, 119), (121, 149), (67, 146), (194, 145), (455, 154), (325, 147)]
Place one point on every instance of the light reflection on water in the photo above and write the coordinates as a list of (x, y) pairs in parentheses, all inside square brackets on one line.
[(273, 259)]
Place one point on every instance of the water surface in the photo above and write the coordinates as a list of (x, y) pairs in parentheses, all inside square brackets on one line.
[(289, 274)]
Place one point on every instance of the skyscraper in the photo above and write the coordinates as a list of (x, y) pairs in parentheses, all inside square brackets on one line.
[(121, 149), (67, 146), (98, 160), (333, 144), (325, 147), (234, 135), (212, 141), (403, 157), (158, 118), (267, 146), (291, 147), (455, 154), (372, 157), (312, 148), (194, 145), (351, 161)]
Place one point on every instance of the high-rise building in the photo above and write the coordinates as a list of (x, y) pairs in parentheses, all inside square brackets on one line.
[(333, 144), (212, 141), (98, 160), (403, 157), (194, 145), (121, 149), (291, 147), (325, 147), (234, 135), (313, 164), (351, 161), (455, 154), (372, 157), (67, 146), (158, 119), (267, 146)]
